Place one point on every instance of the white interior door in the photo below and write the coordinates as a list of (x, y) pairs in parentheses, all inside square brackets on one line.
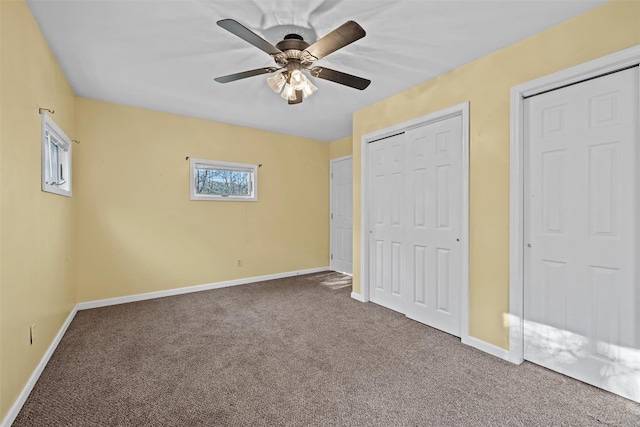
[(341, 215), (387, 222), (415, 221), (434, 205), (581, 294)]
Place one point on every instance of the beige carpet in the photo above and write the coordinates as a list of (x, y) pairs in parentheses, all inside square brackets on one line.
[(295, 351)]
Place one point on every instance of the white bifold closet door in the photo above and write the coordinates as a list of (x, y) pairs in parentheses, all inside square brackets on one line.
[(415, 258), (434, 207), (581, 299), (387, 220)]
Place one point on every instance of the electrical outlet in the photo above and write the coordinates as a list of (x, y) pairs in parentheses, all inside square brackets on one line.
[(239, 263), (32, 334)]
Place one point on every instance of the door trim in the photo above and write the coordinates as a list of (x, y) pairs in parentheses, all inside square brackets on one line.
[(607, 64), (331, 233), (456, 110)]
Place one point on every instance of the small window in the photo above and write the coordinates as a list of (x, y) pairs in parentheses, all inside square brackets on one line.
[(211, 180), (56, 158)]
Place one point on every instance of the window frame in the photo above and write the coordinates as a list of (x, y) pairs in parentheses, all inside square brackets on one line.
[(213, 164), (63, 156)]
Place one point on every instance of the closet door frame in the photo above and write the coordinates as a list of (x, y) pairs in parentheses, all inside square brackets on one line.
[(456, 110), (608, 64)]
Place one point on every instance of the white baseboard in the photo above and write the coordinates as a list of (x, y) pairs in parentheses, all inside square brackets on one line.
[(341, 272), (24, 394), (357, 297), (468, 340), (486, 347), (189, 289)]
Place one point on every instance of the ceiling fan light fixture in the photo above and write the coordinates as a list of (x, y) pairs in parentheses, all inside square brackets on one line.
[(300, 82), (277, 81), (289, 92), (308, 89), (297, 79)]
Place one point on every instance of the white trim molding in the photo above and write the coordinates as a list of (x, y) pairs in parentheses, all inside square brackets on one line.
[(190, 289), (607, 64), (486, 347), (357, 297), (24, 394), (456, 110), (337, 159)]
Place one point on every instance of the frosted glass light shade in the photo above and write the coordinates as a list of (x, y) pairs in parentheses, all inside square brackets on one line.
[(289, 92), (308, 88), (291, 82), (276, 82), (297, 79)]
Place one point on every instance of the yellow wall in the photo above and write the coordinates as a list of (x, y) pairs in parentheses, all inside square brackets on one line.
[(37, 251), (340, 148), (139, 232), (486, 84)]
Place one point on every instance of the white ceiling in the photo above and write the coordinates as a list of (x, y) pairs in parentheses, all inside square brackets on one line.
[(163, 55)]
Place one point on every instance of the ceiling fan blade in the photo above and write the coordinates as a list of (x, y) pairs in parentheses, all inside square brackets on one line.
[(340, 77), (342, 36), (298, 99), (249, 36), (245, 74)]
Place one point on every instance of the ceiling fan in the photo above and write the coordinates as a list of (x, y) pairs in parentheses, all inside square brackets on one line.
[(293, 56)]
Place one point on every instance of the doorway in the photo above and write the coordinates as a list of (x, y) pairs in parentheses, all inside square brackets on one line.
[(341, 217)]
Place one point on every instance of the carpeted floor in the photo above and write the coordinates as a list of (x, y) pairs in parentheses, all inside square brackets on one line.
[(296, 351)]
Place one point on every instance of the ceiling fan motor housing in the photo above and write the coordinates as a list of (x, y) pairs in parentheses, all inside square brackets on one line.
[(292, 47)]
